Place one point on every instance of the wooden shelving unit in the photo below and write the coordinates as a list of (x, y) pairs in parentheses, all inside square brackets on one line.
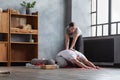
[(18, 45), (23, 43), (4, 37)]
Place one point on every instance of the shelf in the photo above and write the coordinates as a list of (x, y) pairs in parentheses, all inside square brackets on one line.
[(24, 52), (23, 33), (3, 37), (24, 42), (4, 32), (3, 61), (23, 15), (20, 61), (3, 42)]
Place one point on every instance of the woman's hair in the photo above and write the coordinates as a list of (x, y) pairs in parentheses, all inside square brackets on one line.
[(72, 24)]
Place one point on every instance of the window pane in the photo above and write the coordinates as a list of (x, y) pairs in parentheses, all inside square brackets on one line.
[(118, 28), (105, 30), (93, 30), (113, 29), (93, 18), (102, 11), (93, 5), (99, 31), (115, 10)]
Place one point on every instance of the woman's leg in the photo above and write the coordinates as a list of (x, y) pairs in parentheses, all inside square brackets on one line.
[(70, 42), (61, 61), (78, 43)]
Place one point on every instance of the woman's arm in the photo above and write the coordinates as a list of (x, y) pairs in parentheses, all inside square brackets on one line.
[(66, 41), (74, 41), (90, 64), (80, 64)]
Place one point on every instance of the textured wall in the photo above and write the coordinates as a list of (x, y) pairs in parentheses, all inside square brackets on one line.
[(81, 15), (51, 27), (54, 15)]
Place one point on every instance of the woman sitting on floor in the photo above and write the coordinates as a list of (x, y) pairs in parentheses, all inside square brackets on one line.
[(74, 57)]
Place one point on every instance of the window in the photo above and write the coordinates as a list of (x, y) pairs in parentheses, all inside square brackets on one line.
[(102, 11), (115, 10), (105, 15)]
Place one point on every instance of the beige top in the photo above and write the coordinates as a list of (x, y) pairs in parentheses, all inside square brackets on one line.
[(77, 31)]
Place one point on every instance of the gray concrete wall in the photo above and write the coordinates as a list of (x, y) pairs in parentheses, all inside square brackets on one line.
[(54, 15), (51, 30), (81, 15)]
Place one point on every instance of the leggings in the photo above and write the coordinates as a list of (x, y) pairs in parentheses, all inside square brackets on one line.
[(77, 44)]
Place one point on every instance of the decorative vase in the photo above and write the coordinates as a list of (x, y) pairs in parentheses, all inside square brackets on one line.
[(27, 10)]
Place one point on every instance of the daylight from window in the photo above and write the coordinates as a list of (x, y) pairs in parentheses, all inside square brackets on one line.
[(100, 17)]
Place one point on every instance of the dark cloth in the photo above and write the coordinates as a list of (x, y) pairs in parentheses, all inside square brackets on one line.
[(77, 44)]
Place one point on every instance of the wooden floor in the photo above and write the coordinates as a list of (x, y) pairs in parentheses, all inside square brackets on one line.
[(23, 73)]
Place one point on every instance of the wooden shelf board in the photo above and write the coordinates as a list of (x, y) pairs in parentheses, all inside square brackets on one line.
[(20, 61), (4, 32), (3, 61), (23, 33), (23, 15), (3, 42), (24, 43)]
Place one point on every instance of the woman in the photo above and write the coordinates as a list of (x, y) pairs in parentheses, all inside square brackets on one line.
[(73, 37), (65, 57)]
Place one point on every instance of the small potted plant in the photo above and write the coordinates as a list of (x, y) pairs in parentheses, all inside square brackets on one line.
[(28, 6)]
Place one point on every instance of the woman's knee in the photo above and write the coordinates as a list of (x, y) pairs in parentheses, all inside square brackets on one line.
[(61, 61)]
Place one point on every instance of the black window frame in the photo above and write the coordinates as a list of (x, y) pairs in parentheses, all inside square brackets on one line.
[(103, 24)]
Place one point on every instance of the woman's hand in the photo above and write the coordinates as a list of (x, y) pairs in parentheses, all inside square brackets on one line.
[(72, 49)]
